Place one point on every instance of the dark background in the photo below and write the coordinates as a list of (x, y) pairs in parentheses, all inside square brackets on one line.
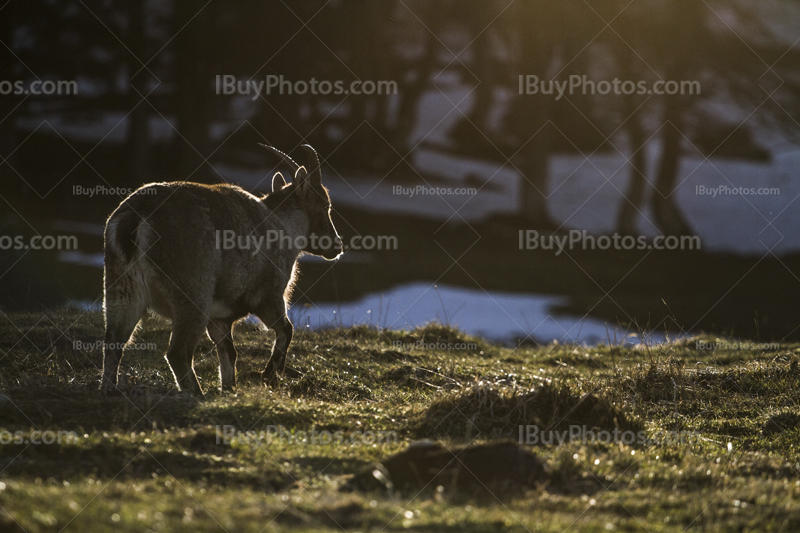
[(147, 111)]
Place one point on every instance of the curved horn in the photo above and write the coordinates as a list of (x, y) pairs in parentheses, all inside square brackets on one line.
[(313, 159), (283, 156)]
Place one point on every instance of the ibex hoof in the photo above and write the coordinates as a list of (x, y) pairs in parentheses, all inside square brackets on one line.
[(270, 379), (108, 388), (110, 391)]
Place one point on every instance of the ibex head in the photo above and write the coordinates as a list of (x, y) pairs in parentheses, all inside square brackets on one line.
[(312, 199)]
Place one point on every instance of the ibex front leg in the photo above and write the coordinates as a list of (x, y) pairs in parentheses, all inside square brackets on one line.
[(277, 320)]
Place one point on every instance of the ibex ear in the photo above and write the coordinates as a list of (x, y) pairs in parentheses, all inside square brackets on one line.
[(278, 182)]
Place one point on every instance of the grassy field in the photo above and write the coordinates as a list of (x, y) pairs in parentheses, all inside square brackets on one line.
[(721, 426)]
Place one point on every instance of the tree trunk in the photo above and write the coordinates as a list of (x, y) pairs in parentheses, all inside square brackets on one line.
[(10, 183), (193, 85), (411, 92), (376, 54), (370, 50), (533, 159), (468, 130), (668, 216), (633, 201), (685, 16), (484, 69), (534, 165), (138, 126)]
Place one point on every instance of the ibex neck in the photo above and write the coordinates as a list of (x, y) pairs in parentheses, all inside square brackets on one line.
[(293, 228)]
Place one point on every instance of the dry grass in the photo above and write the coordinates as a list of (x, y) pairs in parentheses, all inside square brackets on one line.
[(486, 409), (151, 459)]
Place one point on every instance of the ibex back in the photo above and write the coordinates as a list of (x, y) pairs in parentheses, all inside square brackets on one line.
[(207, 255)]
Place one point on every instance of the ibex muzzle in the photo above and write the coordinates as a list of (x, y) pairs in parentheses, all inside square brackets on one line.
[(207, 255)]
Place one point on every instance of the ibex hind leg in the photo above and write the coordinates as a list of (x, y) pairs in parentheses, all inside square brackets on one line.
[(221, 334), (123, 306), (277, 320), (186, 333)]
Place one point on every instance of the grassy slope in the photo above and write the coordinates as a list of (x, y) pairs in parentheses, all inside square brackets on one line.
[(151, 459)]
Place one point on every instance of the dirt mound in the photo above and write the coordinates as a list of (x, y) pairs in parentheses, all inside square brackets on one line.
[(781, 422), (472, 469)]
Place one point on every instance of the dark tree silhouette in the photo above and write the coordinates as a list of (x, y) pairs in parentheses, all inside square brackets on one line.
[(9, 70), (194, 82), (690, 42), (418, 72), (138, 142)]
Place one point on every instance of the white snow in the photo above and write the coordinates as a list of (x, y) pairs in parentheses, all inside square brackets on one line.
[(498, 316)]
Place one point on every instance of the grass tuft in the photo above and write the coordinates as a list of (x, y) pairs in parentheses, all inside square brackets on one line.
[(497, 411)]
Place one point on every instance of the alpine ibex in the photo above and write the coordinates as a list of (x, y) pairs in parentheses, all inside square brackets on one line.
[(205, 256)]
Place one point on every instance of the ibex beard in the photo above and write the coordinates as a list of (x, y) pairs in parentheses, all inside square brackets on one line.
[(162, 253)]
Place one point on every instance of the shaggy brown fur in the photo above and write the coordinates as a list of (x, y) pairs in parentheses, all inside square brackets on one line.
[(205, 256)]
